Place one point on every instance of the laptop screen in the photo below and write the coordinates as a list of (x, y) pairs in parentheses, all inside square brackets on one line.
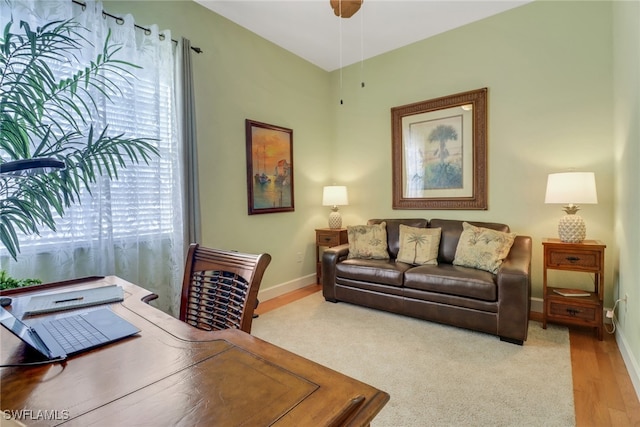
[(22, 331)]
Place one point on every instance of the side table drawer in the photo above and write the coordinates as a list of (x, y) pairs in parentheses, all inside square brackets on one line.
[(572, 259), (566, 310), (327, 239)]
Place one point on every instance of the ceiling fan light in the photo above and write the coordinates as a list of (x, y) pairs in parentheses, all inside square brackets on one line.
[(345, 8)]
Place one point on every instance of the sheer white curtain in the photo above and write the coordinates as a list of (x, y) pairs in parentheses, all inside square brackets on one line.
[(131, 227)]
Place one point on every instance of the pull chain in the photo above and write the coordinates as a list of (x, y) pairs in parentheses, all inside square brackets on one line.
[(340, 49), (362, 47)]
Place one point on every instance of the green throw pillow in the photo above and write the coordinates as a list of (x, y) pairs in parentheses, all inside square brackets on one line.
[(368, 241), (482, 248), (419, 246)]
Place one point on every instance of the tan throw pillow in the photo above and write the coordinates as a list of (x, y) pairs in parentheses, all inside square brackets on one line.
[(482, 248), (368, 241), (419, 246)]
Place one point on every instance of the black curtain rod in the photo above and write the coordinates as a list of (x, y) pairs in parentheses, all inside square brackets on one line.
[(120, 21)]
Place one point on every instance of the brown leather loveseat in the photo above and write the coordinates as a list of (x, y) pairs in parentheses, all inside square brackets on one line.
[(460, 296)]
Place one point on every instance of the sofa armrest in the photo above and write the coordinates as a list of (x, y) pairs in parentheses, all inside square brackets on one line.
[(331, 257), (514, 291)]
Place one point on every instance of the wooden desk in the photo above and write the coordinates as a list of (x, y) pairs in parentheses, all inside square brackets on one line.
[(173, 374)]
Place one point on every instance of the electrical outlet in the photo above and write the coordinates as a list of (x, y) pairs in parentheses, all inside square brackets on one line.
[(299, 257), (626, 302), (609, 314)]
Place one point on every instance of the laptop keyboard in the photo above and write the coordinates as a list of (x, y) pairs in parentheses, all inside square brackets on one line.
[(74, 333)]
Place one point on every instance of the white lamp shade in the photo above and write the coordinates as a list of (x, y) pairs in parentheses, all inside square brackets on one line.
[(335, 195), (571, 187)]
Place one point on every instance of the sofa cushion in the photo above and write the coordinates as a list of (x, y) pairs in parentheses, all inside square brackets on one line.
[(393, 230), (452, 280), (419, 245), (385, 272), (367, 241), (451, 231), (482, 248)]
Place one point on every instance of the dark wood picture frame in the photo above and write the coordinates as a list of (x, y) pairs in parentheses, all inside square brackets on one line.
[(439, 153), (269, 168)]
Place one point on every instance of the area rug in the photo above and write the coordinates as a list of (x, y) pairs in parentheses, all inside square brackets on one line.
[(436, 375)]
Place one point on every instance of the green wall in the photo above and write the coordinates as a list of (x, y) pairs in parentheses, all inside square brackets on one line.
[(551, 69), (547, 66), (626, 60)]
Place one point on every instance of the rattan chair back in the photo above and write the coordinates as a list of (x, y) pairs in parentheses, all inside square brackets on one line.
[(220, 288)]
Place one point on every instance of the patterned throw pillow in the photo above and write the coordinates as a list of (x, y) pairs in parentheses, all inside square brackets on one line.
[(419, 246), (368, 241), (482, 248)]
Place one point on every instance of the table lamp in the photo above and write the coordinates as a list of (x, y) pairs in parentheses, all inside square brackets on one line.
[(335, 195), (571, 188)]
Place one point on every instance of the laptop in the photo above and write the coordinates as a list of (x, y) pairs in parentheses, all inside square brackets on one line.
[(64, 336)]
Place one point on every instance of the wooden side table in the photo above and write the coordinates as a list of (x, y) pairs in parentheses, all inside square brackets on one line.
[(328, 237), (587, 256)]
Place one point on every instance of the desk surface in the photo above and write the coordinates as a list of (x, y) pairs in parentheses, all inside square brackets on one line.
[(173, 374)]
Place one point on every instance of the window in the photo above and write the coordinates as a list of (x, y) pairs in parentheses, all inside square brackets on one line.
[(132, 226)]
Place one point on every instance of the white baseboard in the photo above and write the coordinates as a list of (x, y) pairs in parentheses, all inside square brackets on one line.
[(537, 305), (632, 366), (283, 288)]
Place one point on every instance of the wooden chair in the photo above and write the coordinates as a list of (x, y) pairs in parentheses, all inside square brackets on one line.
[(220, 288)]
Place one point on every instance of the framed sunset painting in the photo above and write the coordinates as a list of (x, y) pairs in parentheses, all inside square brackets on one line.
[(269, 168)]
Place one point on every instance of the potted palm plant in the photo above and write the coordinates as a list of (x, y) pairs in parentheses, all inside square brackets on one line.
[(47, 119)]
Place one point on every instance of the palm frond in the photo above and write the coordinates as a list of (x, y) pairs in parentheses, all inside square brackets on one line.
[(43, 115)]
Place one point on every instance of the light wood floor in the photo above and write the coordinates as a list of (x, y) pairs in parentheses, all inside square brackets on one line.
[(602, 389)]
